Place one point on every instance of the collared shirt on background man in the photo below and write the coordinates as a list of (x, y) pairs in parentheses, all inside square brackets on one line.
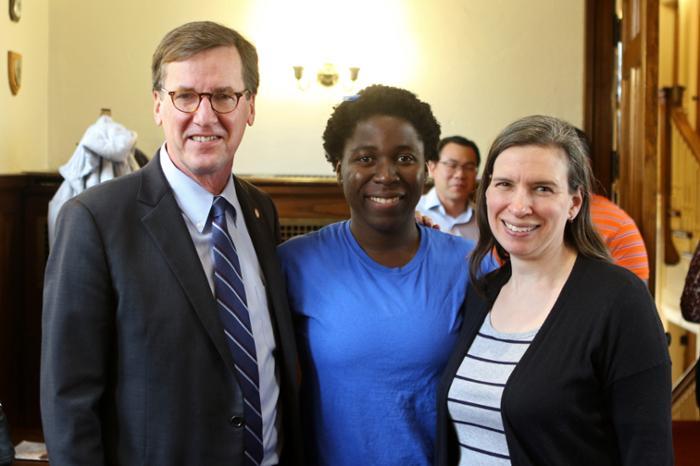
[(463, 225)]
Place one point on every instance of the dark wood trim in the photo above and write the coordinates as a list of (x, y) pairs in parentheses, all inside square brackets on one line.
[(318, 198), (696, 97), (686, 448), (670, 253), (10, 295), (683, 384), (599, 72), (23, 249), (691, 138), (632, 55), (650, 23)]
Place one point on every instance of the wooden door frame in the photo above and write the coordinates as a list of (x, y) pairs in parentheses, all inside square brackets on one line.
[(639, 129), (599, 69), (599, 117), (676, 44)]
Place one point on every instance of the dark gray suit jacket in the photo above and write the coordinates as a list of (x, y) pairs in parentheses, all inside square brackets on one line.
[(134, 366)]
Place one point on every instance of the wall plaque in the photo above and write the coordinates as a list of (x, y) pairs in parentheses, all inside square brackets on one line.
[(15, 10), (14, 71)]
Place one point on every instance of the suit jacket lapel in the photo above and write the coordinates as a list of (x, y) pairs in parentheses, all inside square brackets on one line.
[(263, 242), (163, 221)]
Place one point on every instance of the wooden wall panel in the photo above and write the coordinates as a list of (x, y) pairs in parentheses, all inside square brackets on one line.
[(305, 198), (638, 183), (11, 316), (303, 205), (38, 190), (598, 89)]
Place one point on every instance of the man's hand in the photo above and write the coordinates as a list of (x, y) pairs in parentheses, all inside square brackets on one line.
[(426, 221)]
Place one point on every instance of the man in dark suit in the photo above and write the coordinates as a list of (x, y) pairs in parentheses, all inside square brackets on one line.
[(140, 365)]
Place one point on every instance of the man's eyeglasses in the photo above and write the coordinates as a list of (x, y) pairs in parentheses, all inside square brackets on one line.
[(452, 167), (189, 101)]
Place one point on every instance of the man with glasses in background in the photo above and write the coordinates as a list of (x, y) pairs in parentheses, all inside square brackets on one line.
[(167, 338), (449, 203)]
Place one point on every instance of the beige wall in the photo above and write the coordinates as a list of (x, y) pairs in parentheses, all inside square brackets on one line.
[(23, 118), (481, 64), (667, 14), (687, 53)]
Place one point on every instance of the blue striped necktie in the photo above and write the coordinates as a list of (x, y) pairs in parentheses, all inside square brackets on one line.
[(233, 311)]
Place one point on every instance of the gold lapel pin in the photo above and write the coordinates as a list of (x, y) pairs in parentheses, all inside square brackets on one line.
[(257, 212)]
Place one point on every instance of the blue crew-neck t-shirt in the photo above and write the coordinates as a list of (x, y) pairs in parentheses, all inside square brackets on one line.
[(373, 342)]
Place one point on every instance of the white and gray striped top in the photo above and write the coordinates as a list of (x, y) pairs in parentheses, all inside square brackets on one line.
[(474, 399)]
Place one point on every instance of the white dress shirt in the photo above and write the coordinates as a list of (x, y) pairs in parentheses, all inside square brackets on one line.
[(195, 203), (463, 225)]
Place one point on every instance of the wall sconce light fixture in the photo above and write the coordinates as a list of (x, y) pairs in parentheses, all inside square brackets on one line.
[(298, 72), (327, 76)]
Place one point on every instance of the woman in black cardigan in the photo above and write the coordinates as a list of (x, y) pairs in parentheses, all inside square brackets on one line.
[(562, 358)]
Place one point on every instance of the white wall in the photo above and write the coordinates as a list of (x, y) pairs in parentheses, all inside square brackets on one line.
[(480, 63), (23, 118)]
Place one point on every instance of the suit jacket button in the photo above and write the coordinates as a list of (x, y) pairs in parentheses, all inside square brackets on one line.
[(237, 421)]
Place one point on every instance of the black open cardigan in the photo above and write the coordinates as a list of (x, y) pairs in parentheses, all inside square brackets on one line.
[(594, 388)]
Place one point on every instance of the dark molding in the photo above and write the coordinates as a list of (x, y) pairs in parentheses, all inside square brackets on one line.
[(599, 68)]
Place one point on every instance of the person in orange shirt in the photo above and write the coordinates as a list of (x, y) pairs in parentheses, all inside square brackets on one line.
[(620, 233)]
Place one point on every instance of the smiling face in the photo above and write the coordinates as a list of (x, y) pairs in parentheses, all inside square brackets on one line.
[(454, 175), (528, 201), (382, 173), (202, 144)]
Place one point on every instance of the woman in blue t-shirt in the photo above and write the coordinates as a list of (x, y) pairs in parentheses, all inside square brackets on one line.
[(377, 298)]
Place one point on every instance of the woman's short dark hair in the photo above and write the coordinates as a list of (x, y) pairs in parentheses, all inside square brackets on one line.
[(380, 100), (543, 131)]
